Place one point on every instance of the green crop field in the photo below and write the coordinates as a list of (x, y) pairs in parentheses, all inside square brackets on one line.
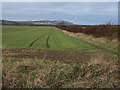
[(23, 36)]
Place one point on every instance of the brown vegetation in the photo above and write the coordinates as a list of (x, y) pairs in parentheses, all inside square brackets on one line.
[(97, 72), (109, 31), (101, 43)]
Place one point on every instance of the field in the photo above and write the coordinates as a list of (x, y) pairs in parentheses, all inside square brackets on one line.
[(45, 57), (23, 36)]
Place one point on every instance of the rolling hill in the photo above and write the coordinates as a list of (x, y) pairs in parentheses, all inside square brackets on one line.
[(41, 22)]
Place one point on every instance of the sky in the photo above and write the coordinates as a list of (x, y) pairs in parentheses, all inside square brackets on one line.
[(60, 0), (90, 13)]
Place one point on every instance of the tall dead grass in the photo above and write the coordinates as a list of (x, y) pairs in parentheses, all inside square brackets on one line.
[(100, 42), (98, 72)]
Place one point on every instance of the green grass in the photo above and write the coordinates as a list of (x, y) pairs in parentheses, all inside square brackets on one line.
[(97, 71), (22, 36), (62, 41)]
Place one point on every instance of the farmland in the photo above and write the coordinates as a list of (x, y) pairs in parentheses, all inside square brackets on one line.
[(46, 57), (23, 36)]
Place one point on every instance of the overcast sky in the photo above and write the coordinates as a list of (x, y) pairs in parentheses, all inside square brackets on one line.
[(78, 13), (60, 0)]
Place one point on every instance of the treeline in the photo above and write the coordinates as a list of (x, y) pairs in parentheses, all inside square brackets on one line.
[(109, 31), (6, 22)]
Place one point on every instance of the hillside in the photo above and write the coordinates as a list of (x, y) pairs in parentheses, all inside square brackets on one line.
[(45, 22), (41, 22), (6, 22)]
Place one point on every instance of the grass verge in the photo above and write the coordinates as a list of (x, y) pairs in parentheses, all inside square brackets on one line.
[(102, 42)]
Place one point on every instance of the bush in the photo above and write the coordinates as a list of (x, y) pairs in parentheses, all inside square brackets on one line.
[(109, 31)]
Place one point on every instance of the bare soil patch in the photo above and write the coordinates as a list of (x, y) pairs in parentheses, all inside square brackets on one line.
[(72, 56)]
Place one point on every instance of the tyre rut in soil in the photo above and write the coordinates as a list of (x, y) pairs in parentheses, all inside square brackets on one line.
[(37, 40), (47, 44)]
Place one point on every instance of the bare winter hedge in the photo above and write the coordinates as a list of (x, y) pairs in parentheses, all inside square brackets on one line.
[(109, 31)]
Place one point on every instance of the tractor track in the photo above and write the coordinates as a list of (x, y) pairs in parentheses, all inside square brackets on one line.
[(47, 44), (37, 39)]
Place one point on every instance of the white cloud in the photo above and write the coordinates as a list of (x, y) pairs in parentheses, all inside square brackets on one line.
[(85, 9), (64, 8), (60, 0), (75, 12)]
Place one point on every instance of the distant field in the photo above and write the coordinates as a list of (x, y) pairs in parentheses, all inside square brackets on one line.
[(39, 37)]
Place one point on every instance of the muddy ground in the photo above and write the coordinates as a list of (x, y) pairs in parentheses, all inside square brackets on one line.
[(69, 56)]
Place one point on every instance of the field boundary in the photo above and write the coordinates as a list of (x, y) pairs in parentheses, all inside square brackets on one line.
[(98, 47)]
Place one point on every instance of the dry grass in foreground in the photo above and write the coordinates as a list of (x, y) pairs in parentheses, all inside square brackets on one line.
[(28, 73)]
